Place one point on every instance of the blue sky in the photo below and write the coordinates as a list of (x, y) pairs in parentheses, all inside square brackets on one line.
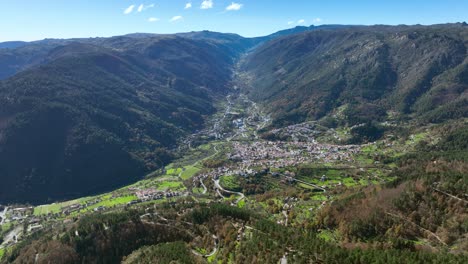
[(38, 19)]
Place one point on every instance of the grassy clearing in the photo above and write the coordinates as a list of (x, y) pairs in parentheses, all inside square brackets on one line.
[(113, 202), (174, 185), (189, 172), (5, 227), (46, 209), (2, 252), (210, 259), (319, 197), (174, 172), (241, 203), (305, 186), (365, 159), (327, 235), (205, 147), (230, 183), (349, 182), (57, 207), (369, 149)]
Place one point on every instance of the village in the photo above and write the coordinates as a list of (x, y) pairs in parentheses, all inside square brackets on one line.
[(16, 221), (248, 155)]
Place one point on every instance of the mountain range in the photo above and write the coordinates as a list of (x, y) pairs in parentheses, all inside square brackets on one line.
[(81, 116)]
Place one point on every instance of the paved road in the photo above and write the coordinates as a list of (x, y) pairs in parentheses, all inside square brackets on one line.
[(204, 187), (284, 260), (219, 187), (2, 215), (215, 238), (215, 249), (285, 213), (312, 185), (12, 236)]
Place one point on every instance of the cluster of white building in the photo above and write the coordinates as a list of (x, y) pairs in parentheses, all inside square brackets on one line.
[(281, 153)]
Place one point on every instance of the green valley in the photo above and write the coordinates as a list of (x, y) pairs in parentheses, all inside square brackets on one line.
[(327, 144)]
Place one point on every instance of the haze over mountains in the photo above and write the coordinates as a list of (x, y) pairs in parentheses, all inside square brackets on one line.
[(83, 116)]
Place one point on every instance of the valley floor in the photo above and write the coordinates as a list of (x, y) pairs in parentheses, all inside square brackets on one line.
[(287, 182)]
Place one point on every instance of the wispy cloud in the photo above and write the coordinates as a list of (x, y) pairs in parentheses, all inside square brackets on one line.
[(129, 9), (234, 7), (176, 18), (143, 7), (188, 5), (291, 22), (301, 21), (317, 20), (153, 19), (206, 4)]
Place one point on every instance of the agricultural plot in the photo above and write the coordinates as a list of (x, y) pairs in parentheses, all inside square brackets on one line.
[(189, 172), (230, 183)]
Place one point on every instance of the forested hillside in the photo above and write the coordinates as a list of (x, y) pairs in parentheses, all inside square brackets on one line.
[(363, 74), (93, 118)]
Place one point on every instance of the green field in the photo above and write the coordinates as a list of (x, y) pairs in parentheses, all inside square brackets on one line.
[(174, 172), (327, 235), (230, 183), (319, 197), (174, 185), (189, 172), (113, 202), (349, 182), (46, 209)]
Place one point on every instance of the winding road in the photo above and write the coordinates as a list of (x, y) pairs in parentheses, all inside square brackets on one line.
[(3, 215), (220, 188), (215, 249), (310, 184), (204, 187)]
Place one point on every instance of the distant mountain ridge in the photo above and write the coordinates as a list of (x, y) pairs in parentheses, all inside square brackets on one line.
[(367, 71), (90, 118), (82, 116), (12, 44), (16, 56)]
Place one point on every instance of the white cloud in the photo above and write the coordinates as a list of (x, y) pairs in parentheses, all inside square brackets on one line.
[(317, 20), (142, 7), (176, 18), (300, 22), (234, 7), (153, 19), (290, 22), (206, 4), (188, 5), (129, 9)]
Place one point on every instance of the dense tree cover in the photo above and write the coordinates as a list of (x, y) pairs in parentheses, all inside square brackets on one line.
[(456, 139), (417, 72), (367, 132), (100, 238), (176, 253), (427, 201), (271, 241), (93, 118), (203, 214), (242, 237)]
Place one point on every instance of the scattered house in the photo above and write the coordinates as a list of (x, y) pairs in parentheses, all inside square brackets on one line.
[(34, 228), (99, 209)]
